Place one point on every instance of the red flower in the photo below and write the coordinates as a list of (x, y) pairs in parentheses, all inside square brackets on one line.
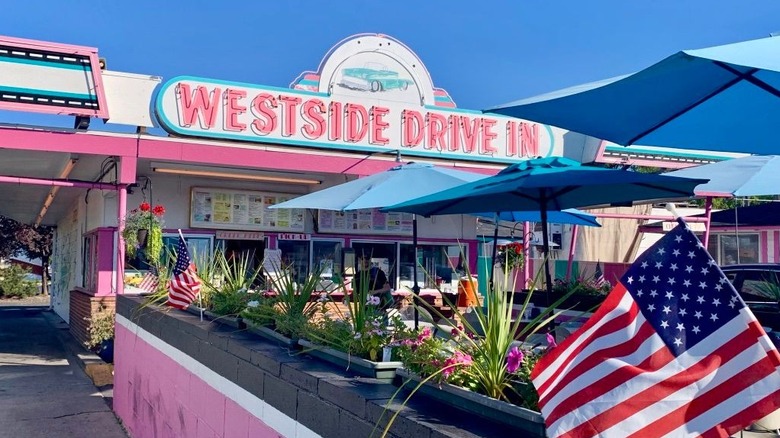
[(158, 210), (144, 206)]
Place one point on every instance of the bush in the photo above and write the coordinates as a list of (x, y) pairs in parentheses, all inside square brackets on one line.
[(14, 284), (101, 327)]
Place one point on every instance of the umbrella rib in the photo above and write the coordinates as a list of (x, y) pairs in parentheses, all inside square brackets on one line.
[(727, 85), (751, 78)]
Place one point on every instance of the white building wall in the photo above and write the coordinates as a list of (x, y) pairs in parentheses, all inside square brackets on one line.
[(67, 260)]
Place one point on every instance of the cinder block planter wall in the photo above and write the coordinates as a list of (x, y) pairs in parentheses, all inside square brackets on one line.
[(177, 376)]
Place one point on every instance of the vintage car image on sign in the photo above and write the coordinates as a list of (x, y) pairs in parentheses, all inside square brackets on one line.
[(372, 77)]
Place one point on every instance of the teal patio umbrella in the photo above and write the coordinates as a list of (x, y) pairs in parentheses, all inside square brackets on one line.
[(398, 184), (723, 98), (547, 184)]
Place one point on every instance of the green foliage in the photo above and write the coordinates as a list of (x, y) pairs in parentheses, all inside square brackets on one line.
[(101, 327), (290, 305), (483, 355), (228, 283), (14, 284), (581, 285)]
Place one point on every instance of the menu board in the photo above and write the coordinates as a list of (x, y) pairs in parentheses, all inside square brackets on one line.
[(242, 210), (370, 221)]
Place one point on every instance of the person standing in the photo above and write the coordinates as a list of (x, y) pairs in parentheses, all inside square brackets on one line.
[(372, 281)]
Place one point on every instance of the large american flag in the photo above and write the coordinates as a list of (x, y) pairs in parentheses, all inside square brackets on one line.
[(673, 351), (185, 284)]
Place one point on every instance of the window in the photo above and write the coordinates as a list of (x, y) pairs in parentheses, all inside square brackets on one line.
[(732, 249), (90, 262), (295, 255), (437, 264), (201, 247), (326, 255), (382, 255)]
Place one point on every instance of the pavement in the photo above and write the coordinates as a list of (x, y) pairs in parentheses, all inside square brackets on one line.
[(44, 389)]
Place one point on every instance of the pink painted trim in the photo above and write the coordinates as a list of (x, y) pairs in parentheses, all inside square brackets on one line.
[(599, 158), (105, 262), (776, 238), (708, 215), (121, 210), (714, 194), (68, 141), (763, 241), (311, 161), (647, 216), (66, 49), (55, 183), (45, 45), (97, 79)]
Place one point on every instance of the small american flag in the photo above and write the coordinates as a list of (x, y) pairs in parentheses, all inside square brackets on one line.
[(598, 276), (184, 286), (673, 351), (151, 281)]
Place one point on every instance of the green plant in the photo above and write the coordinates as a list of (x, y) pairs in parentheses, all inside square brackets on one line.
[(229, 283), (483, 354), (14, 283), (100, 328), (149, 219), (581, 285), (289, 305), (768, 289)]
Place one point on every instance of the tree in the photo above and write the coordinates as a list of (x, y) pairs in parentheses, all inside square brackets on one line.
[(36, 242), (9, 245)]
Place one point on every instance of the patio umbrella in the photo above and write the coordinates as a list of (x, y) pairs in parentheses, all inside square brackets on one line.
[(399, 184), (547, 184), (756, 175), (722, 98), (569, 216)]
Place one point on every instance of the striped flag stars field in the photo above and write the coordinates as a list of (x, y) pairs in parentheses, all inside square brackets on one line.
[(673, 351)]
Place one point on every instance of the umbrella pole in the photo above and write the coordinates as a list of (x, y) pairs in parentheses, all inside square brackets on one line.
[(708, 214), (416, 287), (493, 257), (572, 248), (526, 255), (546, 246)]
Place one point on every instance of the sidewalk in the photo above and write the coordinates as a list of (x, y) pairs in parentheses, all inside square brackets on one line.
[(43, 389)]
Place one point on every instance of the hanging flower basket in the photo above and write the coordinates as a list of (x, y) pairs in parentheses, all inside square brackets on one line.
[(143, 230)]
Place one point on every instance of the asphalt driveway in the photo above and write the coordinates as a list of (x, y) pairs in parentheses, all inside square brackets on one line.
[(43, 391)]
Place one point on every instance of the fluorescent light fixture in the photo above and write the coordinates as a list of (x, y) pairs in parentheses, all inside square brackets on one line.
[(228, 174)]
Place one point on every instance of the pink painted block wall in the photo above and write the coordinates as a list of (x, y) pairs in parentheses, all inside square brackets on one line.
[(156, 396)]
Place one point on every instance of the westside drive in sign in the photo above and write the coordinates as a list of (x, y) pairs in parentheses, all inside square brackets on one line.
[(254, 114)]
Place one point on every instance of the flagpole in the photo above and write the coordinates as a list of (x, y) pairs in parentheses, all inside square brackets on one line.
[(200, 297)]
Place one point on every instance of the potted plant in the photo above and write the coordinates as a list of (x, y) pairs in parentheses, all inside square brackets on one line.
[(100, 333), (227, 286), (362, 341), (283, 312), (483, 368), (143, 229)]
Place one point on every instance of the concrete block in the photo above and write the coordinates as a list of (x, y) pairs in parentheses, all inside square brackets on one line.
[(251, 378), (318, 415), (342, 394), (281, 395), (352, 426), (218, 360)]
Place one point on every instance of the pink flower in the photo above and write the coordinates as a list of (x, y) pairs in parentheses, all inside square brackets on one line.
[(514, 359), (424, 334), (551, 341)]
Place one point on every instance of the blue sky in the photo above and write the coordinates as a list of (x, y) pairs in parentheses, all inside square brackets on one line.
[(484, 53)]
